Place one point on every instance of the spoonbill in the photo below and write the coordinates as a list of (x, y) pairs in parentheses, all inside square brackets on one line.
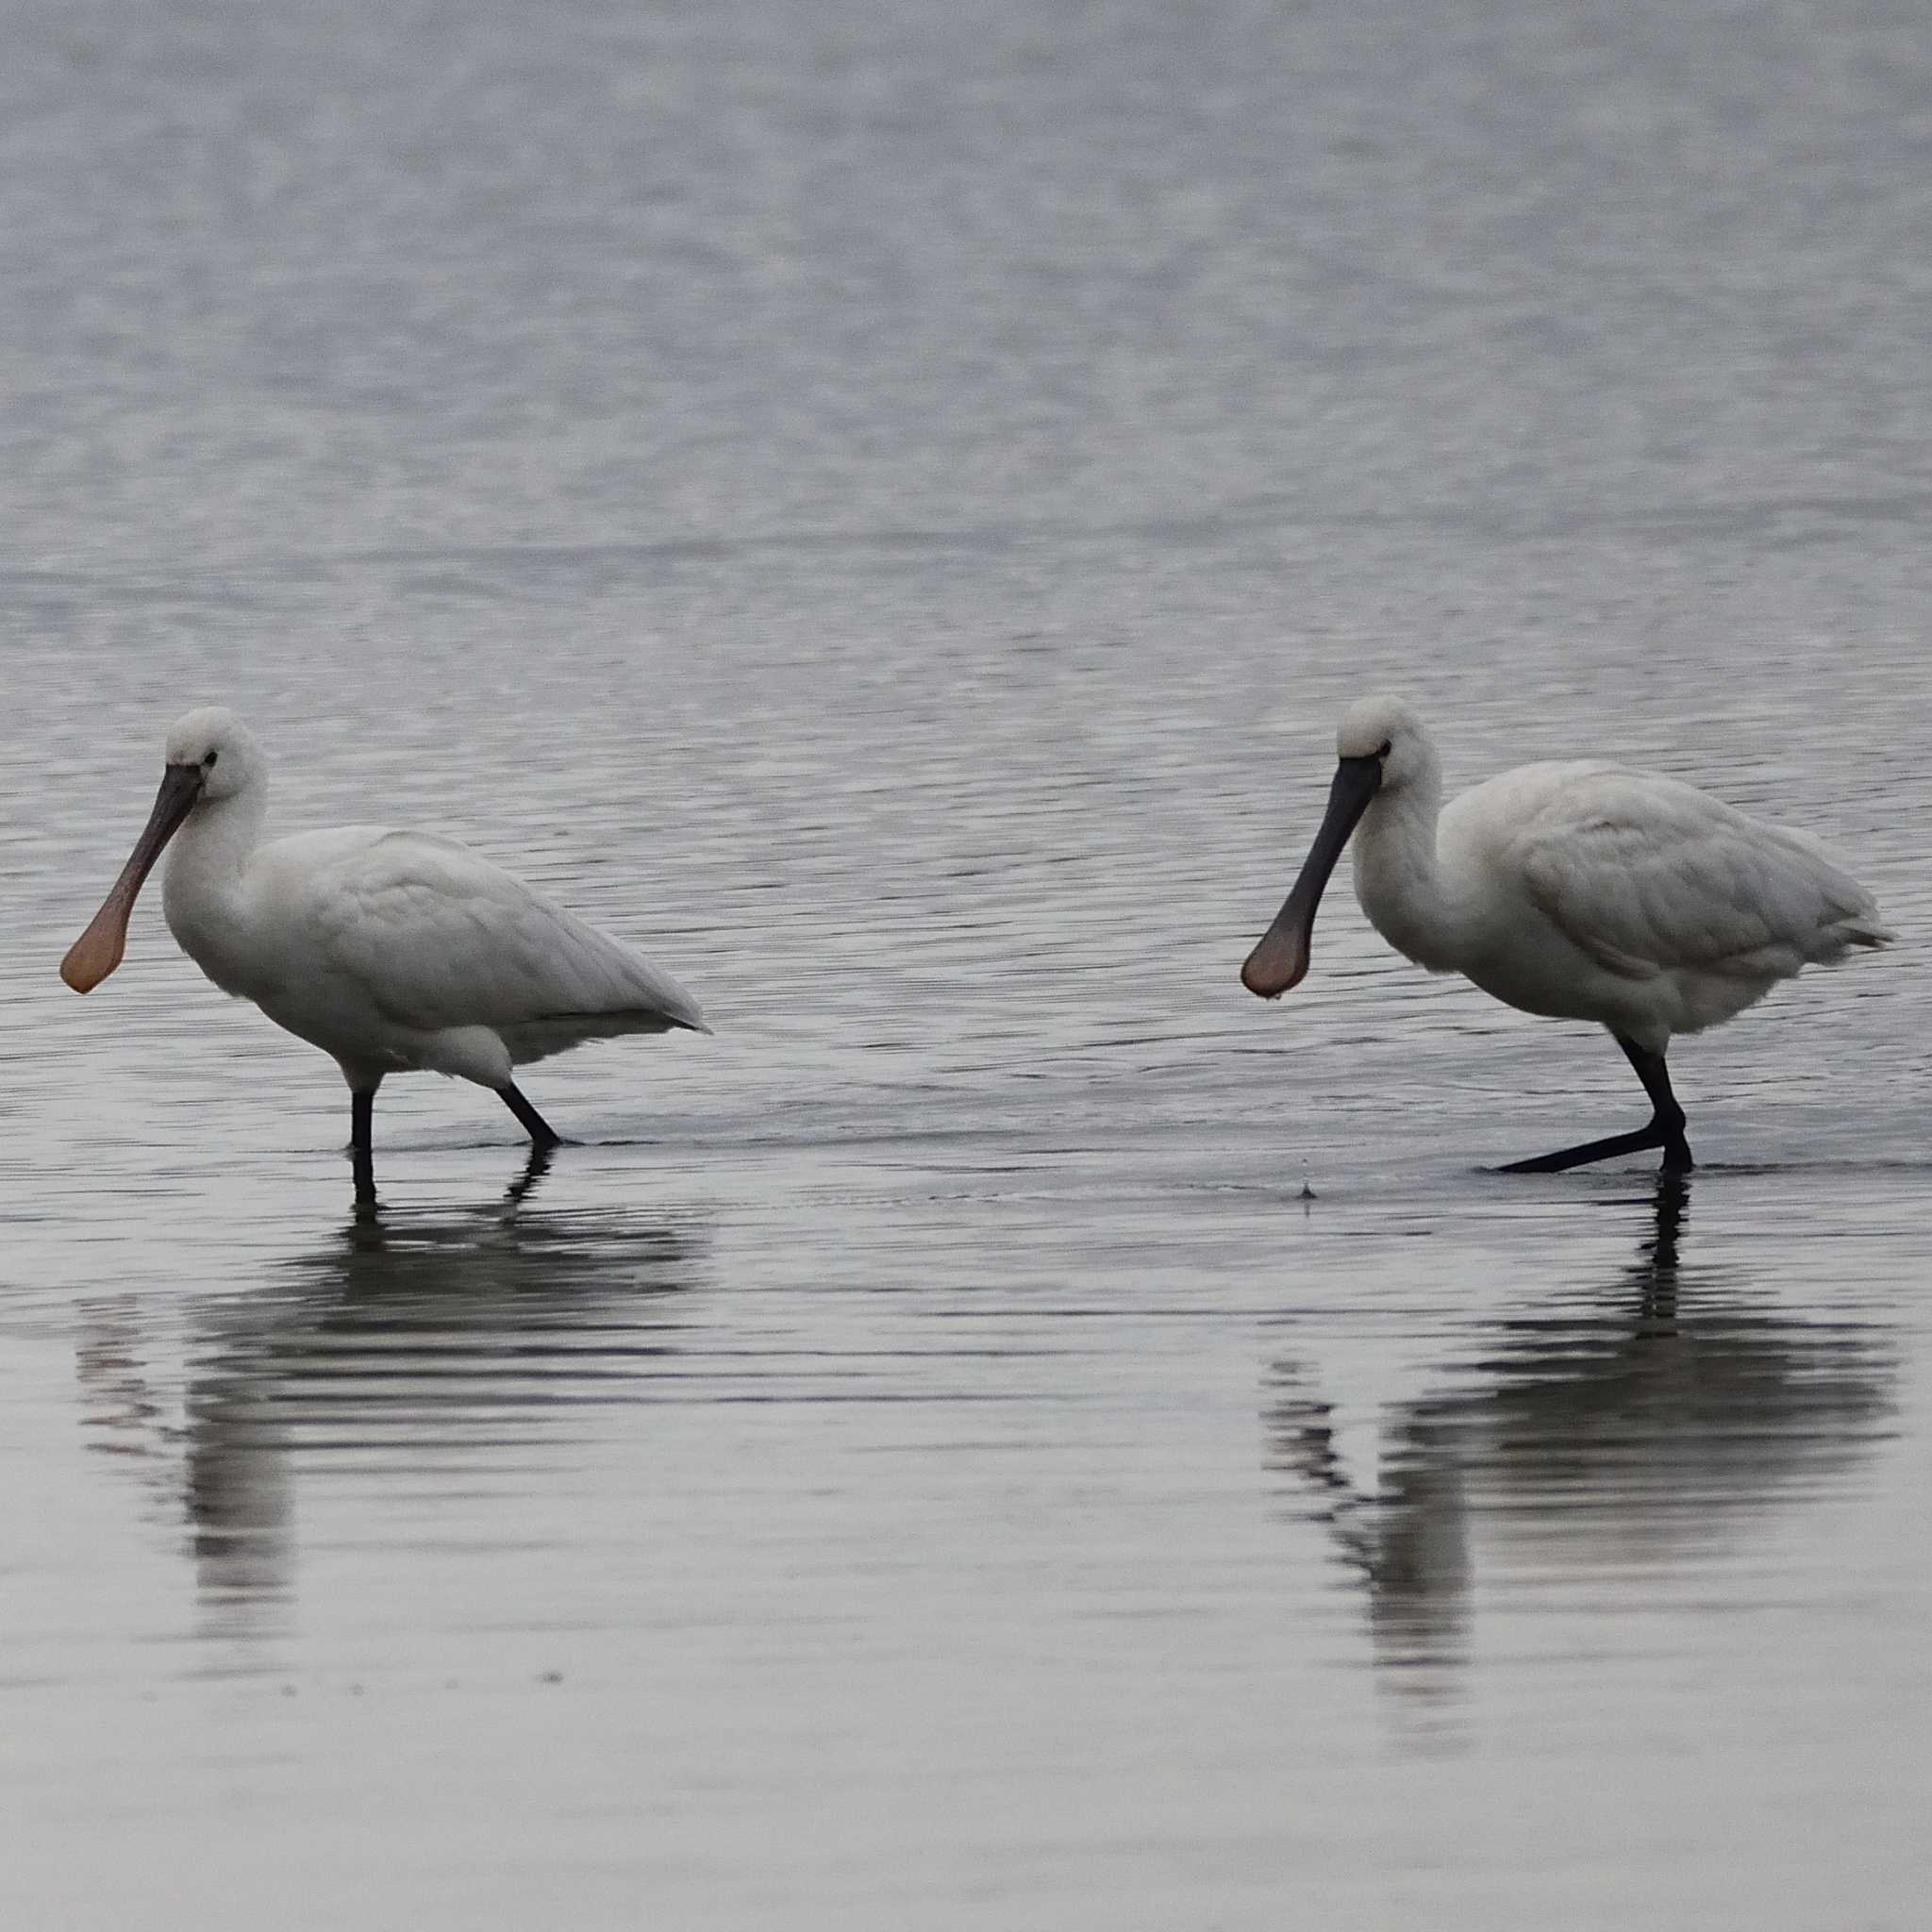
[(394, 952), (1578, 889)]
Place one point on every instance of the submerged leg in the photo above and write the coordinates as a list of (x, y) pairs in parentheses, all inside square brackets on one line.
[(1666, 1129), (542, 1133), (534, 1169), (361, 1143)]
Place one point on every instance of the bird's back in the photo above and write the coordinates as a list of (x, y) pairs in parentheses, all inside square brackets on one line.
[(435, 936), (1651, 876)]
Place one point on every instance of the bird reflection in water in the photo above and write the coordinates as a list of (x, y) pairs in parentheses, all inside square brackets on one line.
[(408, 1337), (1629, 1427)]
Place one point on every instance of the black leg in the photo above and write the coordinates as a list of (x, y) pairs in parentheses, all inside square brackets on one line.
[(362, 1145), (540, 1130), (1666, 1129), (1669, 1116)]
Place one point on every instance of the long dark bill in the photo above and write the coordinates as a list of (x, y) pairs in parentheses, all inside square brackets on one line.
[(97, 951), (1281, 956)]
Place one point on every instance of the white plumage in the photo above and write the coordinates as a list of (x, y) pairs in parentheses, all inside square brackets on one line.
[(394, 952), (1580, 890)]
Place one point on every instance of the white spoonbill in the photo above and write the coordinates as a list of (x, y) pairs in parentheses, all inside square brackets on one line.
[(1579, 889), (394, 952)]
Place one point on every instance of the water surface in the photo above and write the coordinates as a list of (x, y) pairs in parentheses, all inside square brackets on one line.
[(883, 510)]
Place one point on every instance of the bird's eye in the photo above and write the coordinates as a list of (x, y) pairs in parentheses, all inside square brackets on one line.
[(1386, 746), (208, 763)]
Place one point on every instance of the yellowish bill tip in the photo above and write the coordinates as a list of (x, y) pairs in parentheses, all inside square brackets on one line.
[(96, 952)]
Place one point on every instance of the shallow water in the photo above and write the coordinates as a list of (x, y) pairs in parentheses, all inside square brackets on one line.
[(883, 512)]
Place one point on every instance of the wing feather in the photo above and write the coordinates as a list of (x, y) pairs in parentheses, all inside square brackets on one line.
[(1648, 874), (437, 937)]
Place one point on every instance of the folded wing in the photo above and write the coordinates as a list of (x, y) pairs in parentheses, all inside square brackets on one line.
[(1648, 876), (436, 937)]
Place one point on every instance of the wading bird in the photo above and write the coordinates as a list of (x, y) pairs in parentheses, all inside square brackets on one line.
[(394, 952), (1580, 890)]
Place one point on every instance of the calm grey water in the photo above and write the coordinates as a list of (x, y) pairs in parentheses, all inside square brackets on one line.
[(881, 505)]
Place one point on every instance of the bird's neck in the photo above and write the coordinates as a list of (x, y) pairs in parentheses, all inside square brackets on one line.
[(1399, 880), (209, 856)]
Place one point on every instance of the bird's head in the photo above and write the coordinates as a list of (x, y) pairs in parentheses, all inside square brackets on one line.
[(1385, 729), (1382, 749), (210, 756), (214, 743)]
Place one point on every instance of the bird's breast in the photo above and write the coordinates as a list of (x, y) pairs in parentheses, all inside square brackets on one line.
[(215, 929), (1407, 903), (223, 957)]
